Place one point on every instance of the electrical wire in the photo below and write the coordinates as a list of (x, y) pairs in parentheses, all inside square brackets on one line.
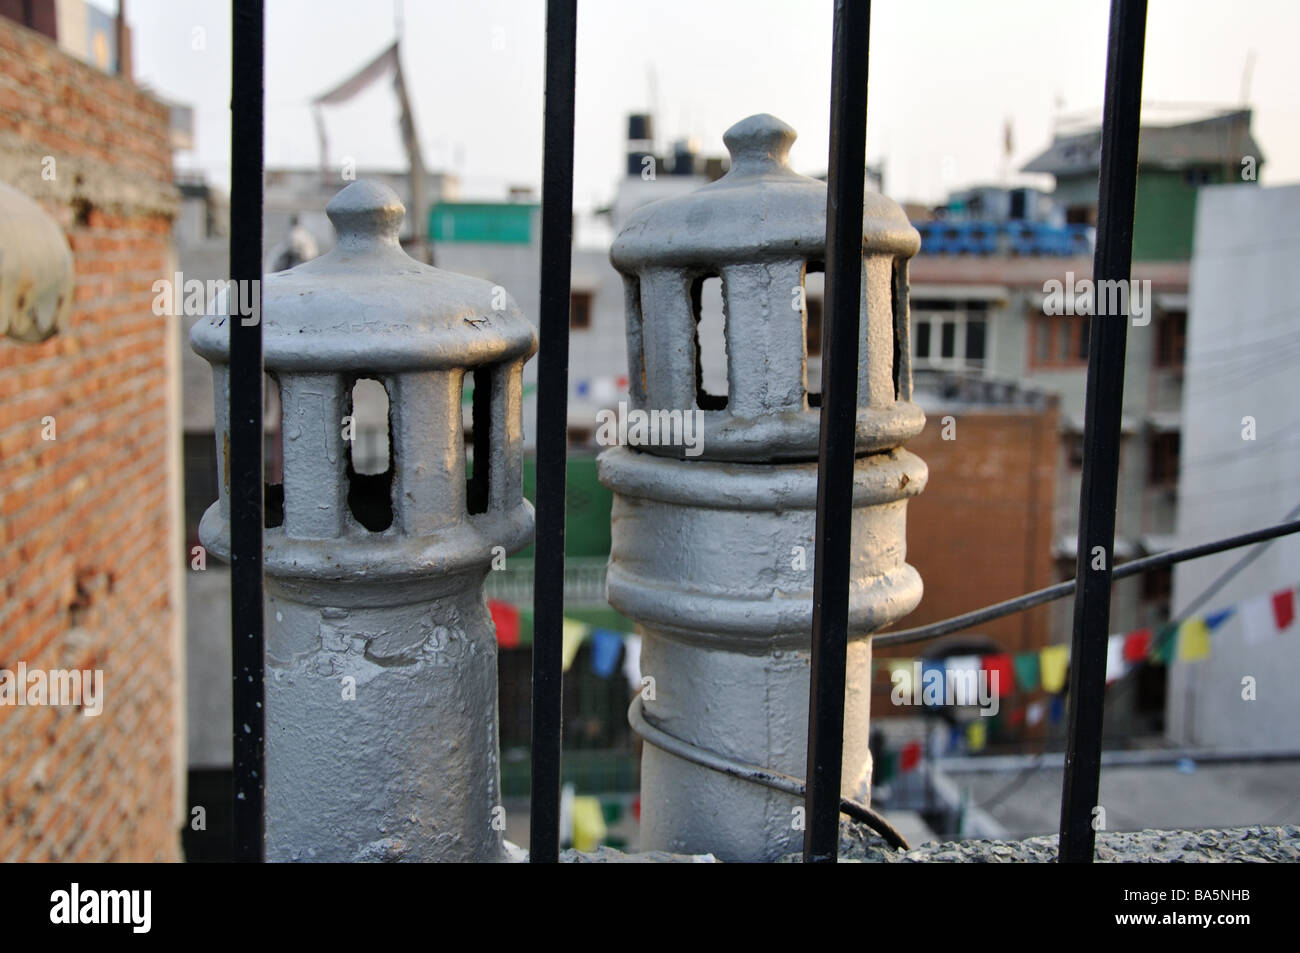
[(775, 780), (1063, 589)]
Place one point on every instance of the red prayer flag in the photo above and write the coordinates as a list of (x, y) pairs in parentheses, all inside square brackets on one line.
[(910, 756), (1000, 663), (506, 619), (1284, 608), (1137, 645)]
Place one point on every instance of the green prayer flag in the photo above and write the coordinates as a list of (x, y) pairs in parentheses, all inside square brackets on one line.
[(1026, 664)]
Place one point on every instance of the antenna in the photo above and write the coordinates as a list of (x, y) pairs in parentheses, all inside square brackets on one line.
[(1247, 74), (652, 89)]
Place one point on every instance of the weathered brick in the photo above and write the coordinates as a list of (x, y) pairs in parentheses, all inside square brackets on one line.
[(88, 507)]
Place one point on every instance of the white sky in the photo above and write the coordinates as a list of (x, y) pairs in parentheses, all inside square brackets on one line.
[(945, 76)]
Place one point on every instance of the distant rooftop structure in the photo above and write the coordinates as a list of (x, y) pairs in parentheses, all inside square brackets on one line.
[(1221, 139), (1175, 160)]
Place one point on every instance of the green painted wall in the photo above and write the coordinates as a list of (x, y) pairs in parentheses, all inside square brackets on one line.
[(1165, 217), (587, 507), (497, 222)]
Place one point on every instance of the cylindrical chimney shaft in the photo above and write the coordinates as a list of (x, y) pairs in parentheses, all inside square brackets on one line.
[(381, 675), (712, 542)]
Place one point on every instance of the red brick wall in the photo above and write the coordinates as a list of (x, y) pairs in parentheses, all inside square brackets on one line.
[(88, 542), (982, 530)]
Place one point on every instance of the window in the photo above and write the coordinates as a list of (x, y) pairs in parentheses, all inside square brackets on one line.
[(975, 331), (1171, 339), (947, 333), (921, 335), (1042, 343), (580, 310), (1058, 340), (1163, 463)]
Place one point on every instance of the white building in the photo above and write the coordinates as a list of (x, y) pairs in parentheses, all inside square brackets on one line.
[(1242, 351)]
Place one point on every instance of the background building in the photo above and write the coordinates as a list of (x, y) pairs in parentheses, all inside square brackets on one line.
[(90, 522), (1241, 440)]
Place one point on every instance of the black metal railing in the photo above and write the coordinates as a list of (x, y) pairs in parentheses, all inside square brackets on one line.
[(247, 117), (1107, 338), (552, 429), (836, 450)]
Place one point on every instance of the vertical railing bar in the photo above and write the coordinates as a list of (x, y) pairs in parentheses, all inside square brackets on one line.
[(246, 480), (837, 443), (552, 429), (1112, 260)]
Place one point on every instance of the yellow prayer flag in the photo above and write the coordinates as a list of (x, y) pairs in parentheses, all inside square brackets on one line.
[(900, 674), (1053, 661), (1193, 640), (588, 823), (573, 634)]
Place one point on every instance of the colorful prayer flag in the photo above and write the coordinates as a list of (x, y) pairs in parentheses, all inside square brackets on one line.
[(1284, 608), (885, 768), (588, 823), (506, 619), (573, 634), (1193, 640), (1027, 671), (999, 665), (1164, 644), (1034, 714), (1137, 645), (1258, 621), (605, 649), (1216, 619), (632, 661), (931, 687), (910, 756), (1115, 664), (1053, 663)]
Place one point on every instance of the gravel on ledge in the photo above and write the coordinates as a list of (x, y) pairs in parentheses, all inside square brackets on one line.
[(1255, 845), (860, 844)]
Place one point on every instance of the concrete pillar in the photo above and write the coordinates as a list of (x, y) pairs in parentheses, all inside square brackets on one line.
[(35, 269), (712, 546), (381, 676)]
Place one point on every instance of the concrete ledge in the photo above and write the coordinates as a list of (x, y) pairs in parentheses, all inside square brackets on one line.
[(1234, 845)]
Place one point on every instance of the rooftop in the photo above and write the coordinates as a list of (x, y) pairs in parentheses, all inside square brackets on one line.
[(1215, 140)]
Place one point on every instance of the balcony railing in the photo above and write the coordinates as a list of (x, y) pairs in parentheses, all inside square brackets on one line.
[(551, 581)]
